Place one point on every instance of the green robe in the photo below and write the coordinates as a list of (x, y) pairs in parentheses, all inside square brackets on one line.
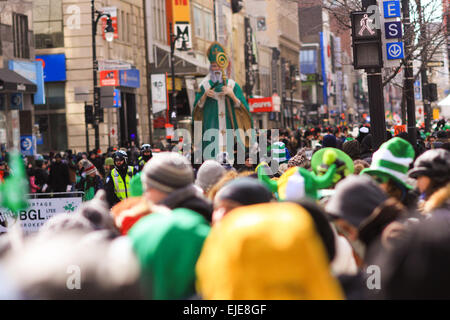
[(214, 114)]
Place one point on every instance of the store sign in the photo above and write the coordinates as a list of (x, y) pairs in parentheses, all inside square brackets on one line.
[(178, 14), (178, 84), (261, 104), (113, 65), (34, 72), (159, 92), (38, 212), (117, 99), (54, 67), (109, 78), (276, 100), (113, 12), (129, 78)]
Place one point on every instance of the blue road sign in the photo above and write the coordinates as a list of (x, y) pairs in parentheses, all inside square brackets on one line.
[(391, 9), (393, 30), (394, 50), (27, 145)]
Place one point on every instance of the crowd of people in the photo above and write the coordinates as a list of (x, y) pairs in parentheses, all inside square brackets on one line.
[(337, 219)]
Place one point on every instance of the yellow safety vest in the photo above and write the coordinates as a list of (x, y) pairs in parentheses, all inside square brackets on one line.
[(120, 187)]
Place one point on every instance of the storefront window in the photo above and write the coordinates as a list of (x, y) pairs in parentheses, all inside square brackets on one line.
[(51, 119), (48, 24)]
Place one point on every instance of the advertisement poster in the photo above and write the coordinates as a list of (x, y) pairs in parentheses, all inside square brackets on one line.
[(39, 211), (159, 92)]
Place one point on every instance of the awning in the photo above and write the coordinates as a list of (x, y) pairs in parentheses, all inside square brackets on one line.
[(11, 81), (185, 64)]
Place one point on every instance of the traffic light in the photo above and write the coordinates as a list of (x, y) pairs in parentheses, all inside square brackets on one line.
[(432, 92), (236, 5), (99, 114), (366, 41), (88, 114)]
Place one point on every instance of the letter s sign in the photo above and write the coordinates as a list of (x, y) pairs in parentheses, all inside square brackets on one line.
[(393, 30)]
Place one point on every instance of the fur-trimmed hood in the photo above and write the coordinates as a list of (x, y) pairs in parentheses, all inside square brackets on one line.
[(439, 199)]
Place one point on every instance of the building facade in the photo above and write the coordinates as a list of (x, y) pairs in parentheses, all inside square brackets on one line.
[(64, 41), (21, 78)]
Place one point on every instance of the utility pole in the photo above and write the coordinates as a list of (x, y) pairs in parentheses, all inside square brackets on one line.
[(376, 106), (408, 87), (147, 71), (423, 72)]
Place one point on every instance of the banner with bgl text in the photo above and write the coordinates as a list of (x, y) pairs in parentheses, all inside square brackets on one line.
[(39, 211)]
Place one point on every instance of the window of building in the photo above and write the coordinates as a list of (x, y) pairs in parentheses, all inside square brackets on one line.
[(48, 24), (308, 61), (20, 36), (209, 26), (198, 23), (159, 28), (51, 118), (203, 23), (128, 28), (123, 26)]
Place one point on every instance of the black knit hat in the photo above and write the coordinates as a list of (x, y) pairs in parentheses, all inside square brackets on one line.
[(245, 191)]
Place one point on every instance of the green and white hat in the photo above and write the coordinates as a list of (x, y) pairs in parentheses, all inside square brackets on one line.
[(392, 160), (279, 152)]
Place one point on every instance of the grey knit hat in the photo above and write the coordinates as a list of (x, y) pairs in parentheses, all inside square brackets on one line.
[(355, 198), (209, 174), (167, 171)]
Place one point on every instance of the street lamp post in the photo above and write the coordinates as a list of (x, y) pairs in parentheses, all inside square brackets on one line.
[(109, 35), (173, 39)]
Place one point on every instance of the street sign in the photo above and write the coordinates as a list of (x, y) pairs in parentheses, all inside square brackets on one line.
[(391, 9), (393, 30), (366, 42), (28, 145), (392, 33), (431, 64), (394, 50), (417, 90)]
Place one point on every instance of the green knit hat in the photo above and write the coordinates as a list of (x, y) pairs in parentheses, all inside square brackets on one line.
[(392, 160), (109, 162), (167, 247), (214, 49)]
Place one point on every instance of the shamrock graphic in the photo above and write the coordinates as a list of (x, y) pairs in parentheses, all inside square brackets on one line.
[(69, 207)]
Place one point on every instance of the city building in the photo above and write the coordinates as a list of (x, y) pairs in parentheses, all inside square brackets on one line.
[(333, 92), (63, 33), (21, 77)]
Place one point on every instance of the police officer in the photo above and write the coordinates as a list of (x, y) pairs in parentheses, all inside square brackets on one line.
[(146, 155), (118, 182)]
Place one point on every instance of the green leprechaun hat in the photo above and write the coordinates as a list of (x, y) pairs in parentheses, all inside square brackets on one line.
[(392, 160), (318, 160), (214, 49)]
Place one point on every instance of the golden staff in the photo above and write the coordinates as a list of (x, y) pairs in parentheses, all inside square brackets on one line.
[(222, 62)]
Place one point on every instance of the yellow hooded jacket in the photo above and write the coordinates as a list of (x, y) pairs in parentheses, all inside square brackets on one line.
[(265, 252)]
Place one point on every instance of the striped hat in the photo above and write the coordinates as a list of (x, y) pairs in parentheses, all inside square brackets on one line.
[(279, 152), (392, 160)]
